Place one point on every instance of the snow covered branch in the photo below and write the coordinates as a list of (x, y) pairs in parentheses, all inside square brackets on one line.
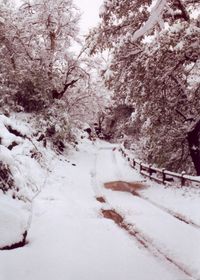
[(155, 18)]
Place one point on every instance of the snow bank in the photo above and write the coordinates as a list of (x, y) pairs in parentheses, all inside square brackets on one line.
[(6, 137), (21, 178), (13, 221)]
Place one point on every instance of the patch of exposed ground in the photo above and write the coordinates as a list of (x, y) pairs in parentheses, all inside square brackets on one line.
[(125, 186), (101, 199)]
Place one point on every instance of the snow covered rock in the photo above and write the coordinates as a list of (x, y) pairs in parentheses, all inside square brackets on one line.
[(13, 222)]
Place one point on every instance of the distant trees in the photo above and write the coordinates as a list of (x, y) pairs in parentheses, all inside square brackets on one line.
[(38, 37), (39, 72), (154, 76)]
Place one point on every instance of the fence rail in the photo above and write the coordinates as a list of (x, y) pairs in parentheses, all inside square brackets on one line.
[(160, 175)]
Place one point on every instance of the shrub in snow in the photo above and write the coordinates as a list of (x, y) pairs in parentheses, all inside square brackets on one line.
[(36, 154), (56, 127), (29, 98), (6, 179), (11, 180)]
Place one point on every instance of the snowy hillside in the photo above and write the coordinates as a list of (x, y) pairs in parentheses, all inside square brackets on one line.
[(78, 229), (22, 172)]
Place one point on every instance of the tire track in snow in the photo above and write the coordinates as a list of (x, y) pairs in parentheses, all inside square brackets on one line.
[(174, 214), (143, 241), (134, 232)]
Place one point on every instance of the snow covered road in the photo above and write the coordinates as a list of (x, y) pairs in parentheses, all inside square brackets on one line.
[(71, 240)]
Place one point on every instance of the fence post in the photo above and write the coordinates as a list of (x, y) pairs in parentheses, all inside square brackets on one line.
[(140, 164), (182, 178), (133, 163), (150, 171), (163, 175)]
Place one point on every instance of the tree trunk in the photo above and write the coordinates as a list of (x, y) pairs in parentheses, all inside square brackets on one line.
[(59, 94), (194, 145)]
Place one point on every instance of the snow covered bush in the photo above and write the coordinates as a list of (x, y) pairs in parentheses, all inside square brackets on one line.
[(19, 183), (6, 180), (30, 97), (11, 135)]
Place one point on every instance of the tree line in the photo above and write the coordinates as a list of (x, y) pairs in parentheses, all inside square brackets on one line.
[(40, 73), (154, 76)]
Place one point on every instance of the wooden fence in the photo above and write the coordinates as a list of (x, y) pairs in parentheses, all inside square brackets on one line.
[(160, 175)]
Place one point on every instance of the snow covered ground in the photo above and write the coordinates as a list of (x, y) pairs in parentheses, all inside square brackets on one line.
[(70, 239)]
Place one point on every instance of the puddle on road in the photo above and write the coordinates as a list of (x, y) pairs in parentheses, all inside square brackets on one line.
[(125, 186)]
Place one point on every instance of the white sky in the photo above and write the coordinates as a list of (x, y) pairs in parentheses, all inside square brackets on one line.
[(90, 10)]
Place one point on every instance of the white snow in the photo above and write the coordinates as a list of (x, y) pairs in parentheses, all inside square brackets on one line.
[(177, 240), (27, 175), (154, 18), (70, 239), (13, 221)]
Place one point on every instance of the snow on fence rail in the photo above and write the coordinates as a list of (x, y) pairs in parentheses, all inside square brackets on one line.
[(160, 175)]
